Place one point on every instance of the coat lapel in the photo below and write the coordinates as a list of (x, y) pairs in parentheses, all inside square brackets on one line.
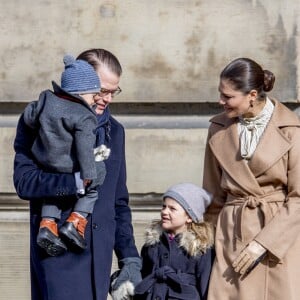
[(225, 146), (273, 144), (271, 147)]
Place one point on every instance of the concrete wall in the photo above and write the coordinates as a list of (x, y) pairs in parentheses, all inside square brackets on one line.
[(170, 49), (156, 157), (172, 52)]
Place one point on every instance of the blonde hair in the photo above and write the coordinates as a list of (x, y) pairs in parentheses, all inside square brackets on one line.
[(196, 240), (204, 232)]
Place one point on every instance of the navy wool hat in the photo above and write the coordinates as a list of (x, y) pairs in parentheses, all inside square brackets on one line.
[(192, 198), (79, 77)]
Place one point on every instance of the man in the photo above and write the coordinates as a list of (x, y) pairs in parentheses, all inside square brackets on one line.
[(83, 275)]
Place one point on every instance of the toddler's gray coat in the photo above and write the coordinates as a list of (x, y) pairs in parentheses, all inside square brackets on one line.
[(66, 138)]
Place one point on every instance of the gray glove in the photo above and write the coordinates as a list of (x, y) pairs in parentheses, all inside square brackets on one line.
[(129, 276), (101, 173)]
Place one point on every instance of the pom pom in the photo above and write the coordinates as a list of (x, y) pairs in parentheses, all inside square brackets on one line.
[(68, 60)]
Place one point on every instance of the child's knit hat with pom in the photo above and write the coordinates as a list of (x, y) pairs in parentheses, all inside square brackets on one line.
[(79, 77), (192, 198)]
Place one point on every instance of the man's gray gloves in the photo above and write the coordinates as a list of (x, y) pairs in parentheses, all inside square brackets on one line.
[(101, 173), (126, 279), (249, 258)]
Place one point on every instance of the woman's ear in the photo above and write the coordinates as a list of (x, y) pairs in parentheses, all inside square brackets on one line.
[(253, 94)]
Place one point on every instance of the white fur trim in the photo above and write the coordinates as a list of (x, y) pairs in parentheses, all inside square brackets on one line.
[(123, 292), (153, 233), (188, 240)]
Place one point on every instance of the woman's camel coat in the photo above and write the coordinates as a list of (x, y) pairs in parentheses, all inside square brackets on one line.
[(259, 200)]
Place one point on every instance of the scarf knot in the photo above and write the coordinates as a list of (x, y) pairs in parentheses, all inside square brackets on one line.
[(251, 129)]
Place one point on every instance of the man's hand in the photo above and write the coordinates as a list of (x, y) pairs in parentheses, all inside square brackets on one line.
[(122, 287)]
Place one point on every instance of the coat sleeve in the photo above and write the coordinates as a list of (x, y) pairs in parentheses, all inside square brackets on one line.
[(283, 230), (85, 140), (212, 183), (30, 181), (124, 238), (204, 268), (31, 114)]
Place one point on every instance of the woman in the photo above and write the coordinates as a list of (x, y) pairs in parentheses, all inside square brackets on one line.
[(82, 275), (252, 168)]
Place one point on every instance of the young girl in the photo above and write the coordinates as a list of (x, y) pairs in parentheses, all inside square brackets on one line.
[(178, 252)]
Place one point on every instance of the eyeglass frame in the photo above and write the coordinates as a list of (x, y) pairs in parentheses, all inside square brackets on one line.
[(104, 92)]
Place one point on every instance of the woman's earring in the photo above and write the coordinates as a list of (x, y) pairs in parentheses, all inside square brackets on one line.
[(251, 103)]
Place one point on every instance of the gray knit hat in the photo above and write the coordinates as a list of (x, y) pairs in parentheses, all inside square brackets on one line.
[(79, 77), (191, 197)]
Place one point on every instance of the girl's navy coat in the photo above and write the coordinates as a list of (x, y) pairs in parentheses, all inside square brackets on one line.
[(85, 275), (178, 268)]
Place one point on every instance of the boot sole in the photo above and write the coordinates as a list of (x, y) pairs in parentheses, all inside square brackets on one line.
[(52, 248)]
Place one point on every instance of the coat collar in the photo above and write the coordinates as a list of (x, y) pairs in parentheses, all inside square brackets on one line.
[(61, 93), (188, 240), (273, 144)]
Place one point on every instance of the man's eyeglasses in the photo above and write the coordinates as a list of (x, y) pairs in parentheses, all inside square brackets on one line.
[(105, 92)]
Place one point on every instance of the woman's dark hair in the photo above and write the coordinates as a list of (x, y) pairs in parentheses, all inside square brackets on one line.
[(102, 57), (245, 75)]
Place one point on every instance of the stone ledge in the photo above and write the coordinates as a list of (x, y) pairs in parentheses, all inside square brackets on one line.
[(145, 108), (150, 202), (11, 202)]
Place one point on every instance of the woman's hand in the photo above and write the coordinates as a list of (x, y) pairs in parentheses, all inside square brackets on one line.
[(249, 258)]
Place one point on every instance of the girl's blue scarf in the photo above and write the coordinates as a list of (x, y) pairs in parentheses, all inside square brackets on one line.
[(103, 128)]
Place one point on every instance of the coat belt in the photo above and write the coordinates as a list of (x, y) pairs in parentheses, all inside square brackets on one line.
[(163, 274), (254, 201)]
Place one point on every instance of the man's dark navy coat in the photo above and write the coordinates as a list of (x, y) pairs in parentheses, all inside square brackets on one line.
[(76, 276)]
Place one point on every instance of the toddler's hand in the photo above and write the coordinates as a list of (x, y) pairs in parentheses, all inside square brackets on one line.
[(79, 184), (87, 182)]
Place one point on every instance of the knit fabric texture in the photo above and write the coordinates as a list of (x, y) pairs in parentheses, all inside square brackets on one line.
[(79, 77), (251, 129), (191, 197)]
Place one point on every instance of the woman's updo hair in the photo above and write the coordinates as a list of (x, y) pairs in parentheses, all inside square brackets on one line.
[(245, 75)]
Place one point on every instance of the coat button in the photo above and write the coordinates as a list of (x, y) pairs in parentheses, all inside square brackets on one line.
[(95, 226), (166, 255)]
